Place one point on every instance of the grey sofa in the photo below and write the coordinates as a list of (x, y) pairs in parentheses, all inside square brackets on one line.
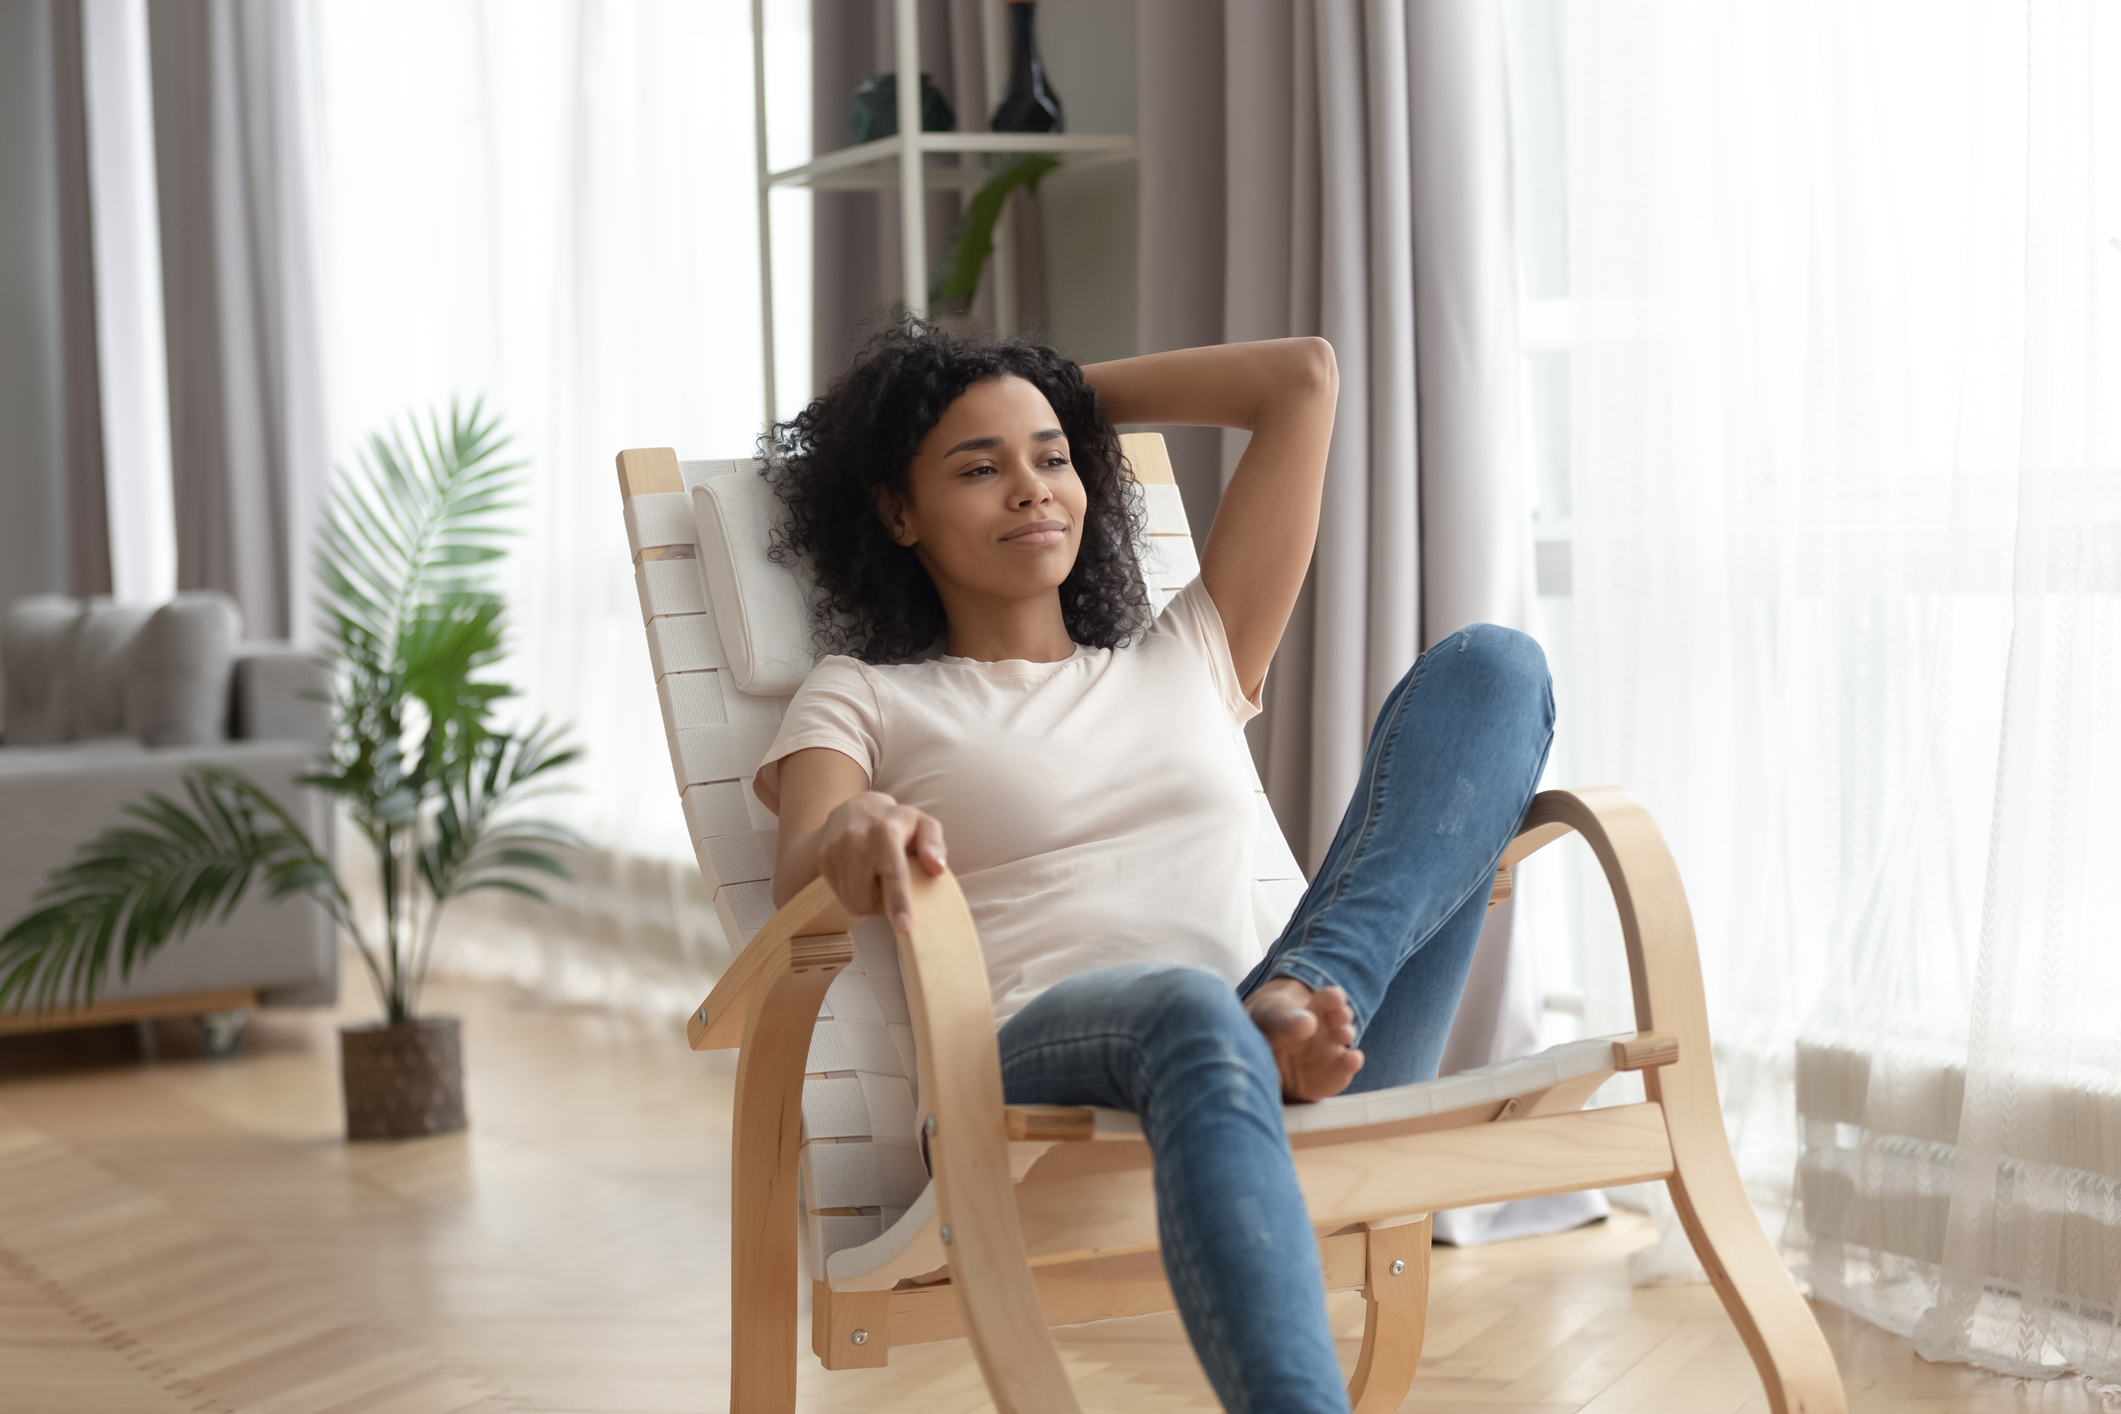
[(104, 704)]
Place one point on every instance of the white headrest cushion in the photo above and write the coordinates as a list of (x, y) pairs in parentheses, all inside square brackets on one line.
[(761, 608)]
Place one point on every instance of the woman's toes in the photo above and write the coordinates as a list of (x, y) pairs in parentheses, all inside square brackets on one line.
[(1312, 1035), (1320, 1071), (1293, 1022)]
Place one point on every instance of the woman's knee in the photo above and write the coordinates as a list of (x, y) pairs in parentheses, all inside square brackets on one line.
[(1195, 1021), (1189, 1001), (1130, 1034), (1497, 662), (1149, 1004)]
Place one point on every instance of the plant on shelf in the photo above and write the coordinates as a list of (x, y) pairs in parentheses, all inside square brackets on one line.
[(1028, 106), (973, 241), (417, 759)]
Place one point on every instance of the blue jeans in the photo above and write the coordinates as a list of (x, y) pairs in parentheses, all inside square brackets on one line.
[(1391, 918)]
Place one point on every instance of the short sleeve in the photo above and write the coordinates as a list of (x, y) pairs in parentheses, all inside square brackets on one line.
[(1192, 620), (835, 707)]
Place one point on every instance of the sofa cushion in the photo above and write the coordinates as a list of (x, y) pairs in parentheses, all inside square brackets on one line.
[(36, 658), (761, 608), (60, 758), (282, 694), (177, 691), (102, 662)]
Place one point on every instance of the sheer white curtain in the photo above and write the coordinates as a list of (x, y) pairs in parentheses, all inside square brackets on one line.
[(548, 203), (1846, 447)]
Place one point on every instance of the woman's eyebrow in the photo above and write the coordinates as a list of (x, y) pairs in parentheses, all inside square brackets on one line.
[(990, 442)]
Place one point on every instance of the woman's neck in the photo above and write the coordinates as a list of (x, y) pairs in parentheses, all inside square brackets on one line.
[(993, 630)]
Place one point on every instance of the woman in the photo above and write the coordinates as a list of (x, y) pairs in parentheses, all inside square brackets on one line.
[(1002, 699)]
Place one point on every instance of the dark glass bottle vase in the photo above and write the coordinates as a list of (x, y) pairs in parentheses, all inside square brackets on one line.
[(1030, 105), (873, 112)]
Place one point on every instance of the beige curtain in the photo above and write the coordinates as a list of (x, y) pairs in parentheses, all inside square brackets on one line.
[(86, 516), (1343, 169), (249, 456)]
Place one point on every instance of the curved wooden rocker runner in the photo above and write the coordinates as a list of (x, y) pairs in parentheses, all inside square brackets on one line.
[(1045, 1215)]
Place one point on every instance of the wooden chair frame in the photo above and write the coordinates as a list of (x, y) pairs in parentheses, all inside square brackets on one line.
[(1038, 1226)]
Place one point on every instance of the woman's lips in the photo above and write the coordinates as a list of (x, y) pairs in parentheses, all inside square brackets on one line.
[(1040, 532)]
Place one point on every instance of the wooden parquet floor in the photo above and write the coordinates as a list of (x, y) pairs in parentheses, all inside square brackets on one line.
[(184, 1237)]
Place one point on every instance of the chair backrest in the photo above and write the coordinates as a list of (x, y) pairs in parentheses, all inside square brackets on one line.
[(729, 642)]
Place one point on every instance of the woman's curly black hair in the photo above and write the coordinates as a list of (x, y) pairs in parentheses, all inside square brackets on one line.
[(875, 600)]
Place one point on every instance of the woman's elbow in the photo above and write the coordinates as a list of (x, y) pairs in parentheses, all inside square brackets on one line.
[(1313, 368)]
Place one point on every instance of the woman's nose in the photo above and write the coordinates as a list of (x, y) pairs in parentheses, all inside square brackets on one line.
[(1035, 494)]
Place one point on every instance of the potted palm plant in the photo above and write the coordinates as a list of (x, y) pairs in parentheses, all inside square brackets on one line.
[(418, 761)]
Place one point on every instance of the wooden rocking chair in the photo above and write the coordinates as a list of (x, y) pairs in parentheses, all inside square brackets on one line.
[(860, 1052)]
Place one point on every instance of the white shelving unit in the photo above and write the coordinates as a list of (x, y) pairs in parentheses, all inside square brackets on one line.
[(900, 163)]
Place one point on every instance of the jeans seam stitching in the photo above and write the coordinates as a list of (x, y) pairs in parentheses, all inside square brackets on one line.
[(1386, 742)]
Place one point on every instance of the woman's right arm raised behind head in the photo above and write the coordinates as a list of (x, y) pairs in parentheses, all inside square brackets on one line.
[(1259, 548), (832, 824)]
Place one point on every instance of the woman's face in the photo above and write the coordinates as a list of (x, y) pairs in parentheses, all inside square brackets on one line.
[(995, 506)]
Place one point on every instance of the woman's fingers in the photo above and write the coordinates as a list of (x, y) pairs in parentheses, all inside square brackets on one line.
[(855, 886), (897, 890), (928, 843), (866, 858), (913, 835)]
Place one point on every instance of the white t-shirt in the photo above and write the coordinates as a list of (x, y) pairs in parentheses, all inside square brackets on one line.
[(1096, 810)]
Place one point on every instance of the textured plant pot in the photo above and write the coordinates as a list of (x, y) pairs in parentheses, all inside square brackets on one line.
[(402, 1081)]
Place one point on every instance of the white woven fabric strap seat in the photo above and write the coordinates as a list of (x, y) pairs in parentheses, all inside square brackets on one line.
[(910, 1246), (1528, 1075)]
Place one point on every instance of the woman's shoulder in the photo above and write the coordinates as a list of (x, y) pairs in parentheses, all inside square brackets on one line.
[(835, 676), (1190, 629), (844, 674), (1187, 618), (926, 665), (837, 665)]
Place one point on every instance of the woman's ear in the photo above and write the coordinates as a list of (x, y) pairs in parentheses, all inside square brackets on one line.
[(892, 512)]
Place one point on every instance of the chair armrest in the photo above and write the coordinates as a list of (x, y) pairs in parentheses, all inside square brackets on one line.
[(968, 1150), (961, 1089), (1655, 923), (282, 693), (1664, 963), (760, 1005), (1665, 966), (766, 1005), (810, 930)]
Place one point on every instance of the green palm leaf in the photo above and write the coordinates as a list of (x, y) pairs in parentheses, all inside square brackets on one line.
[(402, 558), (973, 241), (135, 888), (480, 839), (414, 525)]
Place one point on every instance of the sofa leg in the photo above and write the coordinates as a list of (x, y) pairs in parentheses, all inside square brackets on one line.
[(221, 1033), (1395, 1316)]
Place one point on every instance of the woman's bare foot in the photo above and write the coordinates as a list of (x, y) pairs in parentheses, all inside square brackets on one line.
[(1312, 1034)]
